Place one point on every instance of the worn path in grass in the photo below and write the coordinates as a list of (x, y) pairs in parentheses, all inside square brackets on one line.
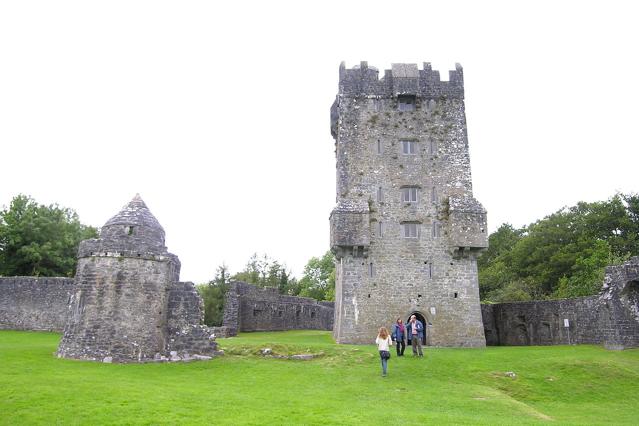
[(559, 385)]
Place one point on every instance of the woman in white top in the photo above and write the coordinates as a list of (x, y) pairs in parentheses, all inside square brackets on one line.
[(383, 341)]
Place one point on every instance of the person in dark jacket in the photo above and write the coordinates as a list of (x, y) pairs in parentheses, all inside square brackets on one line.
[(399, 335), (415, 333)]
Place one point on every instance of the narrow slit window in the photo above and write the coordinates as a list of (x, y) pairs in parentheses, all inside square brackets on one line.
[(434, 195), (437, 229), (371, 270), (433, 147), (379, 146), (409, 147), (380, 229), (428, 269), (409, 195), (380, 194)]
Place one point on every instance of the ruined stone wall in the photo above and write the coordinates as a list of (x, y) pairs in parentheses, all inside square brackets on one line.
[(249, 308), (542, 322), (185, 314), (610, 318), (34, 303), (381, 273)]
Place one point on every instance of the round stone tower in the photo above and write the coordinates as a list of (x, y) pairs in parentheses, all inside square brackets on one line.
[(119, 308)]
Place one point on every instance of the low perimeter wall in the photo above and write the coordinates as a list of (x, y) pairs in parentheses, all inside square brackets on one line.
[(32, 303), (610, 318), (543, 322), (250, 308)]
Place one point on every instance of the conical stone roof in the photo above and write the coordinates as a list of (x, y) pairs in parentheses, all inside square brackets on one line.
[(133, 229), (135, 213)]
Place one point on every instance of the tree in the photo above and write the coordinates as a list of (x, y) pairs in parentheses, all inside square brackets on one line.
[(494, 270), (266, 272), (318, 281), (561, 255), (40, 240), (213, 294)]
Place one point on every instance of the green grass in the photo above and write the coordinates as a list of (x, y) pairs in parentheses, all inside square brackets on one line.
[(343, 385)]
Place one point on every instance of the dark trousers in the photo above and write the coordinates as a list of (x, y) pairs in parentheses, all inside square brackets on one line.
[(399, 343)]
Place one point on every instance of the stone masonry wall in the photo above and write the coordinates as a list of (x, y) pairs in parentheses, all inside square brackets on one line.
[(249, 308), (34, 303), (185, 313)]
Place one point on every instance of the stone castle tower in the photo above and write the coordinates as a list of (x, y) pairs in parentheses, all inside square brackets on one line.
[(128, 303), (406, 229)]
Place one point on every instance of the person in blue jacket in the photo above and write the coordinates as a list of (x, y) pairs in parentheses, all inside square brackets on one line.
[(399, 335), (415, 332)]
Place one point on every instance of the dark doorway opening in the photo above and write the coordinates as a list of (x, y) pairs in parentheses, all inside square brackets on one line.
[(420, 318), (631, 292)]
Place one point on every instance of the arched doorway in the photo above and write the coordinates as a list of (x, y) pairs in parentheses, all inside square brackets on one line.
[(423, 320)]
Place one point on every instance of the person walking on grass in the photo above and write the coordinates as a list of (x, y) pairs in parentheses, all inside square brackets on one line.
[(416, 334), (384, 342), (399, 336)]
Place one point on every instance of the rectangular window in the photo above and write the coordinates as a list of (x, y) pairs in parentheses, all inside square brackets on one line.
[(434, 195), (409, 195), (380, 195), (409, 147), (410, 230), (437, 229), (406, 102)]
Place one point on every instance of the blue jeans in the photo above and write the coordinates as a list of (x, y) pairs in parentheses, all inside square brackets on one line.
[(384, 363)]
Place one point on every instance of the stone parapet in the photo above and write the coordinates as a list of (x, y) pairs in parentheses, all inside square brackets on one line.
[(363, 80)]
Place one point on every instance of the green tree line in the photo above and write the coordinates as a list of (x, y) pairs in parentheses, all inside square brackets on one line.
[(562, 255)]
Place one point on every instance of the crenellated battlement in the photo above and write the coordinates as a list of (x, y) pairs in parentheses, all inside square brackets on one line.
[(401, 79)]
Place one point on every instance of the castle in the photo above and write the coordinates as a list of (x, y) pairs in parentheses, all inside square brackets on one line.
[(406, 230)]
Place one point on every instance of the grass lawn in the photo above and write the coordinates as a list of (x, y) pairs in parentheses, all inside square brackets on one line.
[(559, 384)]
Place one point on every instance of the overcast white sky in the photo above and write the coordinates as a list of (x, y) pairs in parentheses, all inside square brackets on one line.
[(217, 113)]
